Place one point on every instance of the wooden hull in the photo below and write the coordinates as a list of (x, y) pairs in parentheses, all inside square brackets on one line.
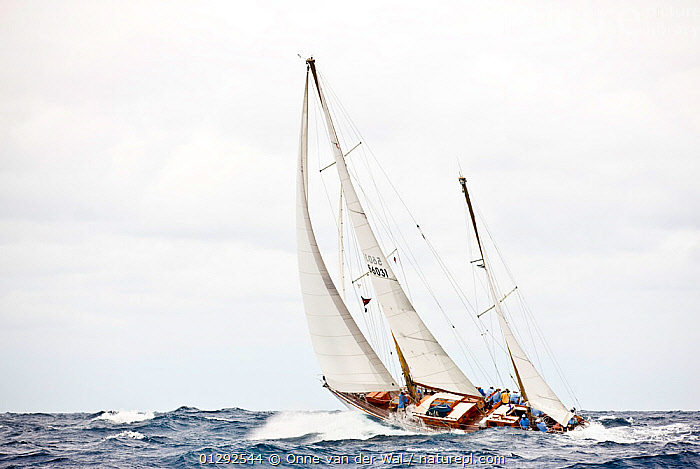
[(470, 418), (413, 421)]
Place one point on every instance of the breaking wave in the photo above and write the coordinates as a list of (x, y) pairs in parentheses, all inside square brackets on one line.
[(599, 432), (125, 416), (128, 434), (322, 426)]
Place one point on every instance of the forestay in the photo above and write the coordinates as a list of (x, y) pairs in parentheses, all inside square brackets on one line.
[(347, 360), (428, 362)]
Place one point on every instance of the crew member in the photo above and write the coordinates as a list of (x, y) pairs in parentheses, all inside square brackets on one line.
[(496, 397), (505, 397), (403, 400), (524, 422)]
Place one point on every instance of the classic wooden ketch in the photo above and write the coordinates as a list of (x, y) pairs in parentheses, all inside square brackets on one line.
[(439, 393)]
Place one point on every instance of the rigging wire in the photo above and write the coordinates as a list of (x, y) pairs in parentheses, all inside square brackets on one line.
[(513, 282), (413, 262), (374, 320), (528, 314), (368, 325), (470, 256), (464, 347), (443, 266)]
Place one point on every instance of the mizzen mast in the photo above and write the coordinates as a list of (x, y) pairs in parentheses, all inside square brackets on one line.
[(533, 387), (486, 267)]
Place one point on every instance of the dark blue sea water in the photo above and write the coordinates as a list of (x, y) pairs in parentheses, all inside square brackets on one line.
[(192, 438)]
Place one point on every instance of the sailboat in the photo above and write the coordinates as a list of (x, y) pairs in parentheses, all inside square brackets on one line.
[(434, 393)]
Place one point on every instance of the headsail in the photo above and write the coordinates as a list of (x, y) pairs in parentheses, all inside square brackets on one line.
[(347, 360), (534, 388), (429, 363)]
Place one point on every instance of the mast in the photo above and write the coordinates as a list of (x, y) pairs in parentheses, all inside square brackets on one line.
[(492, 290), (410, 385), (429, 363), (348, 362), (533, 387), (341, 260)]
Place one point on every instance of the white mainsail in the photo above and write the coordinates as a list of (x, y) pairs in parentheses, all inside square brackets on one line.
[(347, 360), (428, 362), (537, 391)]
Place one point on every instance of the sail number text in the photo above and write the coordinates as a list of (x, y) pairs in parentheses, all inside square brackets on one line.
[(378, 272), (374, 266), (373, 260)]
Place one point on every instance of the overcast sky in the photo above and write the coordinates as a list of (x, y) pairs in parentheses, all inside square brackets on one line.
[(147, 170)]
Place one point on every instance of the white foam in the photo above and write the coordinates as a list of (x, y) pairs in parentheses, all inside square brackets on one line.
[(218, 419), (324, 426), (125, 416), (128, 434), (596, 432)]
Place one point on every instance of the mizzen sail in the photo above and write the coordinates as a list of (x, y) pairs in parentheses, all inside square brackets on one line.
[(533, 387)]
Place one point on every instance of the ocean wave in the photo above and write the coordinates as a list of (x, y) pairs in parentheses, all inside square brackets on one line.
[(125, 416), (615, 421), (322, 426), (597, 432), (681, 459), (187, 408), (219, 419), (128, 434), (181, 438)]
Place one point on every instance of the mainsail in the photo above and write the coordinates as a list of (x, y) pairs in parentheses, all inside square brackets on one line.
[(347, 360), (428, 362), (533, 387)]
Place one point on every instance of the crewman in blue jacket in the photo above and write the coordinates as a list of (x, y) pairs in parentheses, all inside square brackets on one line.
[(403, 400), (524, 422), (496, 397)]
